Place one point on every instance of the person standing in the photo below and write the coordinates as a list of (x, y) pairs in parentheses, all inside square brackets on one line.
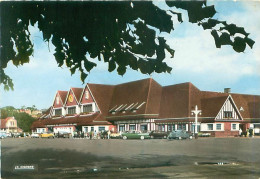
[(240, 132), (108, 134)]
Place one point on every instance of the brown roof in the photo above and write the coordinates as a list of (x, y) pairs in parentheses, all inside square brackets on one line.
[(210, 107), (63, 95), (175, 101), (77, 92), (38, 123), (249, 103), (4, 121), (144, 94), (102, 94)]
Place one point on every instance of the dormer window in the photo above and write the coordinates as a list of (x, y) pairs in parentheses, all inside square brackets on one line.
[(57, 112), (72, 110), (87, 108), (241, 108), (57, 100), (228, 114), (86, 95)]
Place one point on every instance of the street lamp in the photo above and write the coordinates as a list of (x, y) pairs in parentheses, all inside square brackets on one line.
[(196, 112)]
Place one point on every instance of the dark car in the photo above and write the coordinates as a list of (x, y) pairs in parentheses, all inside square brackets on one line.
[(63, 135), (180, 134), (158, 134)]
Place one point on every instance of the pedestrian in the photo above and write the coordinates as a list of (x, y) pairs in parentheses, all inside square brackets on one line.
[(240, 132), (250, 132), (90, 135), (108, 134), (82, 135), (95, 134)]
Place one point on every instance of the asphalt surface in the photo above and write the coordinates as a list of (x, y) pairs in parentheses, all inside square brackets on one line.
[(158, 158)]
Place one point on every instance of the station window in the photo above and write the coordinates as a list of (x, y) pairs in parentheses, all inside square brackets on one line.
[(181, 127), (161, 127), (218, 127), (234, 126), (87, 108), (144, 127), (171, 127), (132, 127), (57, 112), (101, 128), (210, 127), (227, 114), (122, 128), (72, 110)]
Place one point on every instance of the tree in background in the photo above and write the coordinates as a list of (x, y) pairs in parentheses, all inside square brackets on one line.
[(24, 121), (7, 111), (122, 34), (33, 108)]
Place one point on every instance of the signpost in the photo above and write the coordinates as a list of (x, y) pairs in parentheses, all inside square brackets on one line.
[(196, 112)]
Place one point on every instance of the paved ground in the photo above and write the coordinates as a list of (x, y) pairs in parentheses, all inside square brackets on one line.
[(82, 158)]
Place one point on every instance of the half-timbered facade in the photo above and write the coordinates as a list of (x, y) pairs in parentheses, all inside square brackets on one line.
[(145, 105)]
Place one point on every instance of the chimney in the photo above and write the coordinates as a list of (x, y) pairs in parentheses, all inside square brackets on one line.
[(227, 90)]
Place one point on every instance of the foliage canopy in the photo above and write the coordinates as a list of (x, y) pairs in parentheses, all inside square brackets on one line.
[(122, 34)]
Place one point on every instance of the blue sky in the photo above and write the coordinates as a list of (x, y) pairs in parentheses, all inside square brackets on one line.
[(196, 60)]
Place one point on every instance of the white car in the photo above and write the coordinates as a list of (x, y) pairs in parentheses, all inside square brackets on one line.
[(35, 135)]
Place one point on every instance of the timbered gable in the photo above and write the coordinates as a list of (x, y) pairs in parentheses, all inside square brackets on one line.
[(229, 111), (86, 96), (59, 99), (71, 99)]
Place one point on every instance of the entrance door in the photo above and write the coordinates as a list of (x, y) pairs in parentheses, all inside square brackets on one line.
[(144, 127), (193, 128)]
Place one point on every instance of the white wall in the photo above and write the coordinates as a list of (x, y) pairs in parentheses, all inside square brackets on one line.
[(40, 130), (68, 129), (88, 128), (204, 127)]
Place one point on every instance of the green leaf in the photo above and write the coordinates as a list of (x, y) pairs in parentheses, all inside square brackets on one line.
[(239, 44), (216, 37), (89, 65), (249, 42), (170, 50), (225, 39), (111, 65), (83, 76), (121, 70)]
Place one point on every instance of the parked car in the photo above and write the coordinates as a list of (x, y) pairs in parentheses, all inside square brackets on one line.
[(180, 134), (35, 135), (8, 134), (47, 135), (135, 135), (158, 134), (63, 134), (16, 135), (3, 135)]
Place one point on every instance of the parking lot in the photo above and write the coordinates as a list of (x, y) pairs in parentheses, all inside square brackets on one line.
[(81, 158)]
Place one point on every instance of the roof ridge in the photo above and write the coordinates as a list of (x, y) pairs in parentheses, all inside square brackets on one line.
[(180, 84)]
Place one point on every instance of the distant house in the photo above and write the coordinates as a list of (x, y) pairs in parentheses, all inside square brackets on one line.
[(9, 125), (145, 105), (28, 111)]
